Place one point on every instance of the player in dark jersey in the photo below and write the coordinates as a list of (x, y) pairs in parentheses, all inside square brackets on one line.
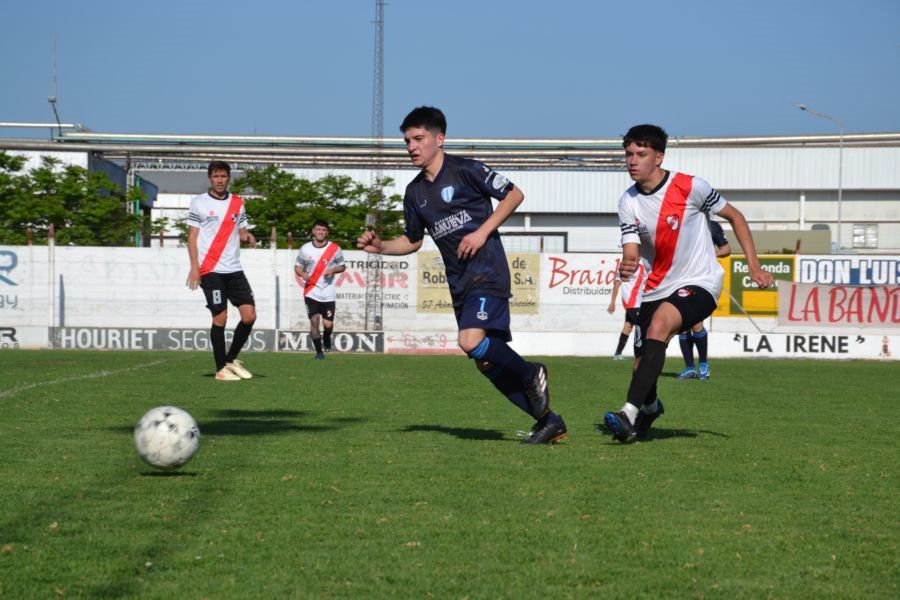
[(451, 199), (697, 335)]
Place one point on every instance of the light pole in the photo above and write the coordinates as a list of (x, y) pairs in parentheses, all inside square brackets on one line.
[(840, 123)]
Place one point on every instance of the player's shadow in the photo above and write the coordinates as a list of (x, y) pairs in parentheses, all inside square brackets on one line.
[(657, 434), (173, 473), (262, 422), (463, 433)]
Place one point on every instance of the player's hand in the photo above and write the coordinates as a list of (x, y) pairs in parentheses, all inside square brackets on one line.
[(761, 277), (193, 278), (470, 244), (627, 267), (369, 242), (611, 309), (250, 239)]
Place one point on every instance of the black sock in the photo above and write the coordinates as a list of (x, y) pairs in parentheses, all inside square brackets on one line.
[(497, 352), (687, 348), (508, 385), (623, 339), (217, 339), (326, 337), (317, 342), (644, 380), (700, 340), (241, 333)]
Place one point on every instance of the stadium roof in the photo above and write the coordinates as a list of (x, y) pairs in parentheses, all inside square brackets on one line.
[(193, 152)]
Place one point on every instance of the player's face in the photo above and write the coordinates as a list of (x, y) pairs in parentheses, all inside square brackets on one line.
[(320, 234), (218, 181), (422, 145), (642, 162)]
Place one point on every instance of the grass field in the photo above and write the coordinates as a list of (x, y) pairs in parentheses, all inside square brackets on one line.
[(402, 477)]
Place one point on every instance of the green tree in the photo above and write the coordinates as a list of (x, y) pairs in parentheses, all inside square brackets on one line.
[(276, 198), (85, 207)]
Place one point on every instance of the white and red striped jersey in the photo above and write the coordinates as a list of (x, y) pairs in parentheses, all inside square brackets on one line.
[(309, 259), (219, 222), (670, 224)]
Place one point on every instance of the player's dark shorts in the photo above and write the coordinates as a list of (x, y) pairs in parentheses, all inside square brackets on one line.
[(314, 307), (631, 315), (489, 313), (693, 302), (221, 288)]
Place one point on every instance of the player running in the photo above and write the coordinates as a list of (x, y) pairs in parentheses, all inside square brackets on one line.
[(451, 198), (317, 263), (218, 225), (664, 218)]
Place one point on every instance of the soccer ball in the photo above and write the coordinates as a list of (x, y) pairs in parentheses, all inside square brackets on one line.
[(166, 437)]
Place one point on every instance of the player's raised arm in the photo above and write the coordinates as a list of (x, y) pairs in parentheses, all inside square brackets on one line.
[(473, 242), (370, 242), (759, 276)]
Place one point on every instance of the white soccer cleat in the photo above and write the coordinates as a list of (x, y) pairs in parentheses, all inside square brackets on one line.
[(237, 367), (225, 374)]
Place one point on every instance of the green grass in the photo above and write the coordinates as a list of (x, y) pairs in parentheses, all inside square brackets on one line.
[(401, 477)]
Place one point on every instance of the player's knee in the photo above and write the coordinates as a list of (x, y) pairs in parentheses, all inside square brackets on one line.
[(220, 319)]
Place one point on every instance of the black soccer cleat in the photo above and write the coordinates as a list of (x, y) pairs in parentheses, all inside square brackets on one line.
[(538, 392), (619, 426), (643, 421), (553, 432)]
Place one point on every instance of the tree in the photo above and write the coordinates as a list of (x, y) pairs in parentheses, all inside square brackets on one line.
[(276, 198), (85, 207)]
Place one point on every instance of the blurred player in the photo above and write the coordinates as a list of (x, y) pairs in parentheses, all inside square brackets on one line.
[(697, 335), (317, 263), (451, 198), (632, 292), (664, 218), (218, 225)]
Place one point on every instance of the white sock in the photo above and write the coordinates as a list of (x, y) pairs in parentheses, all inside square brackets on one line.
[(631, 411), (651, 408)]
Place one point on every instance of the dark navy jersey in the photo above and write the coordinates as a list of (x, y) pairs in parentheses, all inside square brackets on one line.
[(718, 235), (451, 207)]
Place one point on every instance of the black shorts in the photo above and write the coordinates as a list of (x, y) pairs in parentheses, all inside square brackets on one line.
[(221, 288), (631, 315), (314, 307), (693, 302)]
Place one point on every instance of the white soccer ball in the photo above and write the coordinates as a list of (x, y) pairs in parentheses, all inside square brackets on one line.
[(166, 437)]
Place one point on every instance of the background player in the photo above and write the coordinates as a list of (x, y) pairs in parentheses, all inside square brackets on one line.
[(317, 263), (451, 198), (218, 225), (632, 292), (664, 218), (697, 335)]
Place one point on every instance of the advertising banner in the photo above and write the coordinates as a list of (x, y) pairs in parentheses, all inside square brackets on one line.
[(849, 270), (839, 306), (754, 301)]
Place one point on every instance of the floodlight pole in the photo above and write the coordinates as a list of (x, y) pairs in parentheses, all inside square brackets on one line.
[(840, 123)]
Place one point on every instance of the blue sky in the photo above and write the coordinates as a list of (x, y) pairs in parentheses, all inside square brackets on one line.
[(498, 68)]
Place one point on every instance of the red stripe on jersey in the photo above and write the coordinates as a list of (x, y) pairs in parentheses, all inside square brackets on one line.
[(320, 267), (668, 227), (631, 300), (221, 240)]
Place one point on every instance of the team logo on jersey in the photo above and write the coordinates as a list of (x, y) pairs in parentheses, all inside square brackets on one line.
[(673, 222), (684, 292), (447, 194), (500, 181), (212, 213)]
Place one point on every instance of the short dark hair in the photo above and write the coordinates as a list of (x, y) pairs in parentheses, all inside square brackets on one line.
[(646, 135), (218, 165), (429, 117), (321, 223)]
